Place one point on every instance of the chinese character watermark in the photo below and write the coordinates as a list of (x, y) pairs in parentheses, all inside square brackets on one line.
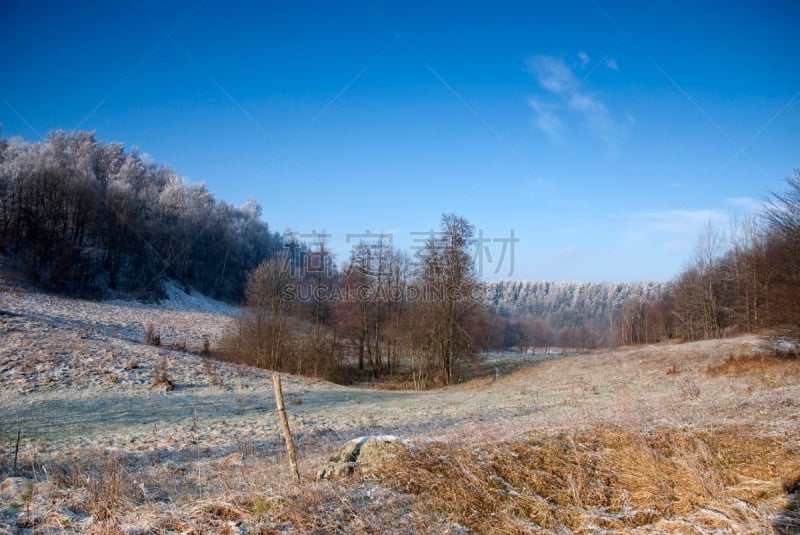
[(309, 254), (483, 253), (371, 253)]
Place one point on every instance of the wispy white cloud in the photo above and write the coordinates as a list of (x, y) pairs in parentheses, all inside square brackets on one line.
[(611, 63), (677, 220), (674, 230), (553, 74), (560, 81), (595, 115), (546, 118), (746, 203), (583, 57)]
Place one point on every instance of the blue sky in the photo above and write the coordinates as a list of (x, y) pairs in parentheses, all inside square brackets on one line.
[(605, 135)]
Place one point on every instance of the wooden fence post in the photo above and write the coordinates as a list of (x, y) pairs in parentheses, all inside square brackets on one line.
[(287, 433)]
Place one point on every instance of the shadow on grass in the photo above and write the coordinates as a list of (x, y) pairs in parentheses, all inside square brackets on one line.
[(788, 522)]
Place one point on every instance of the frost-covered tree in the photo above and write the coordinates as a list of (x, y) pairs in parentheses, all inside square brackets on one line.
[(81, 216)]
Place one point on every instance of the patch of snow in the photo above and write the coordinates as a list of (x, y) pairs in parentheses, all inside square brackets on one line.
[(178, 299)]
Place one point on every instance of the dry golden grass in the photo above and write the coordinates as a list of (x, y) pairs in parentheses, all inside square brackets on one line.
[(785, 364), (601, 478)]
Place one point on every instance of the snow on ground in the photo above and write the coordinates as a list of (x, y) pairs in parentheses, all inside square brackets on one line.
[(59, 356), (181, 301), (76, 376), (180, 318)]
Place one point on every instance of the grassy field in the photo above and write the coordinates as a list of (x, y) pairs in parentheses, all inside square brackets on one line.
[(693, 438)]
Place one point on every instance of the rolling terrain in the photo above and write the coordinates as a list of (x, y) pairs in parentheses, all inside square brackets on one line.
[(693, 438)]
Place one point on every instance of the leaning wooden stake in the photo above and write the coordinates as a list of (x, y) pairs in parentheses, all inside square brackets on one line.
[(16, 451), (287, 433)]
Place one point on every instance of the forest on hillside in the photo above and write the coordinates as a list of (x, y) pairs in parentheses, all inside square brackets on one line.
[(88, 218), (541, 314), (742, 279)]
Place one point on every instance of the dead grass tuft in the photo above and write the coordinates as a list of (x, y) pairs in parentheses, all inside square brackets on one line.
[(689, 388), (774, 370), (151, 336), (161, 375), (105, 528), (106, 486), (209, 513)]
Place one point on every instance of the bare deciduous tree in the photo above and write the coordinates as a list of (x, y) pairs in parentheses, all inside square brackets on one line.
[(264, 327), (449, 282)]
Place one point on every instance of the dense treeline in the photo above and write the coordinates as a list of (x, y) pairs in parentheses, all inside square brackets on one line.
[(416, 319), (573, 315), (743, 282), (87, 218)]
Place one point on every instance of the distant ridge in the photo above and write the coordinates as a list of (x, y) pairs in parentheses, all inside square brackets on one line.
[(581, 300)]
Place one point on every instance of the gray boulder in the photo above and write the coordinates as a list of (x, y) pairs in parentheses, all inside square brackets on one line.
[(363, 455)]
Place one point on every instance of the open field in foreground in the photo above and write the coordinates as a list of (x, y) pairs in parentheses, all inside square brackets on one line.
[(694, 438)]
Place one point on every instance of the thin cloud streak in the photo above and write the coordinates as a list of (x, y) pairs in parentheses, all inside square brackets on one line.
[(674, 231), (547, 118), (583, 57), (677, 220), (558, 79), (747, 203)]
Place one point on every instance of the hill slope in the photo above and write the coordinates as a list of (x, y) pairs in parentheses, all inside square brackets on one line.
[(104, 451), (580, 300)]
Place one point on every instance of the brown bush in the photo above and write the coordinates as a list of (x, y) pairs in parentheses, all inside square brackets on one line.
[(151, 336), (752, 364), (161, 375)]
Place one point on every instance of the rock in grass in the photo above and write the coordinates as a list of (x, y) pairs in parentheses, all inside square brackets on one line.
[(16, 488), (364, 455)]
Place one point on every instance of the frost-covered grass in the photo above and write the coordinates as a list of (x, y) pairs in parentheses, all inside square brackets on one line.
[(695, 438)]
